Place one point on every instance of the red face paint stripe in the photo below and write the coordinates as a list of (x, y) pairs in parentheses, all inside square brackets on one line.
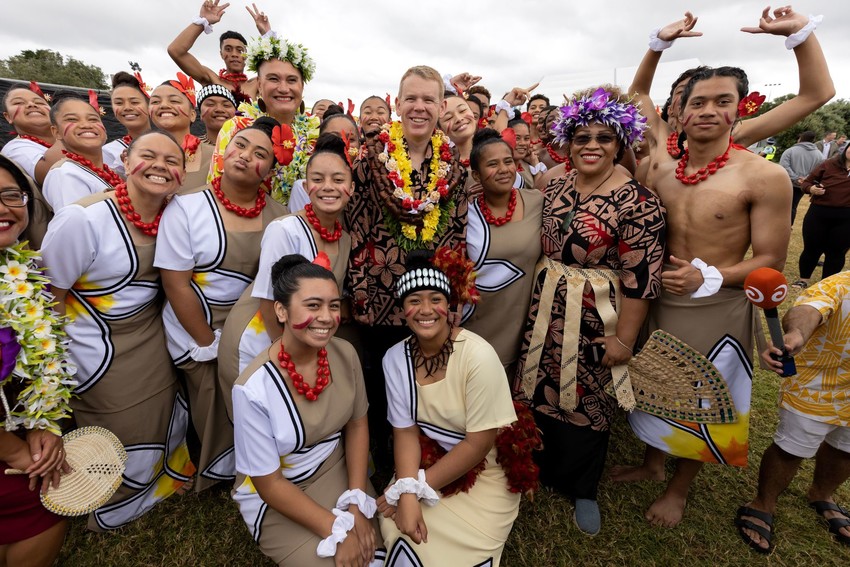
[(138, 168), (687, 119), (181, 111), (257, 169), (409, 312), (300, 326), (17, 111), (176, 174), (441, 311), (727, 119), (67, 128)]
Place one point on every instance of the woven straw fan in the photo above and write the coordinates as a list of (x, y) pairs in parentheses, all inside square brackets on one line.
[(97, 460)]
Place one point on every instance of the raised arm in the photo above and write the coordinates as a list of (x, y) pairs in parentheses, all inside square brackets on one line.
[(178, 50), (816, 87), (642, 81)]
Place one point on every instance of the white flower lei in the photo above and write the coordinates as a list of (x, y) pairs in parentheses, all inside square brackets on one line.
[(42, 363), (274, 47)]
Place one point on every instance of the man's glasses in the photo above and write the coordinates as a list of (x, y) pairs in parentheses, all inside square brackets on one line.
[(601, 139), (14, 198)]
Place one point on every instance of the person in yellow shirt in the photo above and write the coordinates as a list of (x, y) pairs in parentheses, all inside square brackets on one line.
[(814, 414)]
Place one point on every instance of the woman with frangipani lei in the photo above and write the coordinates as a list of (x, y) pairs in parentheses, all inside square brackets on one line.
[(282, 68)]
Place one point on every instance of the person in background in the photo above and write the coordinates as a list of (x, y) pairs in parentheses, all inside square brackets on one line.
[(799, 160), (34, 149), (769, 151), (216, 106), (130, 106), (828, 146)]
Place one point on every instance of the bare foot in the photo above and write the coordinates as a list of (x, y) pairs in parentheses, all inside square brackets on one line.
[(623, 473), (666, 511), (756, 539), (186, 487)]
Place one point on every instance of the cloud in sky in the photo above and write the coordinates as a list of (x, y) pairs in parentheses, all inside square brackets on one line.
[(362, 48)]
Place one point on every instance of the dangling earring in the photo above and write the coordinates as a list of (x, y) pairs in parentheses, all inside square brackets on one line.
[(261, 104)]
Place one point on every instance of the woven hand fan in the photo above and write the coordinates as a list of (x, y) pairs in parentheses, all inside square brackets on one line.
[(672, 380), (97, 460)]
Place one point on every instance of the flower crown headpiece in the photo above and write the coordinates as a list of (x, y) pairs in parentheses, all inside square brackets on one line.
[(273, 47), (605, 108)]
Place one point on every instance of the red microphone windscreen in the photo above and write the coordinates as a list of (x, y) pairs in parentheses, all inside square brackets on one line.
[(766, 288)]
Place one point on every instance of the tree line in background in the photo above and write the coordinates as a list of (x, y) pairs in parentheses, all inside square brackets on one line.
[(832, 117)]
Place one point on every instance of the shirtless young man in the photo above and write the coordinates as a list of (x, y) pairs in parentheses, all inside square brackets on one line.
[(816, 87), (232, 45), (720, 200)]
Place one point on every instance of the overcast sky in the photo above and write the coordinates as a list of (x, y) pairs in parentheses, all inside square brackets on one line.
[(362, 48)]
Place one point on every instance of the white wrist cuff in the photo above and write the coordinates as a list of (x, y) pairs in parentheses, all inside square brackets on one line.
[(504, 105), (270, 33), (409, 485), (204, 23), (656, 43), (343, 523), (205, 353), (447, 83), (799, 37), (712, 280), (365, 503), (539, 168)]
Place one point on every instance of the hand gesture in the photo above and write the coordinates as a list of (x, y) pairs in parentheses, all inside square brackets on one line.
[(785, 22), (519, 95), (463, 81), (365, 532), (212, 11), (261, 20), (679, 28), (409, 519), (684, 279)]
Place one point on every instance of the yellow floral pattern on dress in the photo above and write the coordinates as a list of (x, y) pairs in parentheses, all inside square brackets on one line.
[(256, 324), (821, 388), (178, 461)]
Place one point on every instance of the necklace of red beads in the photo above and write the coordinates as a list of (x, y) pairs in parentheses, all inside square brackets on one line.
[(323, 374), (557, 158), (488, 214), (105, 173), (127, 139), (35, 139), (241, 211), (703, 173), (126, 206), (464, 162), (673, 148), (326, 235)]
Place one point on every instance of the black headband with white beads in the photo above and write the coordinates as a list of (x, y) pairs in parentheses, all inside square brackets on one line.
[(216, 90), (420, 279)]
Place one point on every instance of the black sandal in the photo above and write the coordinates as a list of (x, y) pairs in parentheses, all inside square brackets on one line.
[(835, 524), (765, 533)]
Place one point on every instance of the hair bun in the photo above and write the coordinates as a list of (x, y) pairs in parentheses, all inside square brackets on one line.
[(286, 263)]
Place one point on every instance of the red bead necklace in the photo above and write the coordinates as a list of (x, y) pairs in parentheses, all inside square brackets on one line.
[(326, 235), (35, 139), (123, 198), (488, 214), (703, 173), (127, 139), (557, 158), (323, 374), (464, 162), (105, 173), (241, 211), (234, 78), (673, 148)]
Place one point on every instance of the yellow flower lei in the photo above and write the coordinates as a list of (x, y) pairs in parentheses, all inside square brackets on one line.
[(433, 202)]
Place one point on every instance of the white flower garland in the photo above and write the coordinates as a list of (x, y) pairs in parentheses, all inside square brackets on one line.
[(42, 363), (271, 46)]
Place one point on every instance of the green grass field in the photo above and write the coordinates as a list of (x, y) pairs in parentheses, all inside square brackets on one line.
[(207, 530)]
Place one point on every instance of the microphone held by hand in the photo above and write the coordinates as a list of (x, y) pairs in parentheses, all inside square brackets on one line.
[(767, 288)]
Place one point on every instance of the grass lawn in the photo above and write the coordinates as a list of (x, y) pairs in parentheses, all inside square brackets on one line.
[(207, 530)]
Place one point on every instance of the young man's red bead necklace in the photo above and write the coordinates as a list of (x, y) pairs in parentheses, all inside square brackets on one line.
[(488, 214), (557, 158), (326, 235), (105, 173), (126, 206), (323, 374), (35, 139), (241, 211), (673, 148), (703, 173)]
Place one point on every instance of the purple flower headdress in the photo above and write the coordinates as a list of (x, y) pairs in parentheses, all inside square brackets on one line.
[(604, 107)]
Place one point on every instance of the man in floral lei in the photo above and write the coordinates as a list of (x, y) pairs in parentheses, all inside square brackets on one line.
[(720, 201), (282, 69), (409, 195), (36, 380)]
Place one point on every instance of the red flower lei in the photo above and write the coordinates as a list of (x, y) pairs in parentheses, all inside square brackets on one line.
[(704, 172), (322, 375), (326, 235), (241, 211), (514, 445), (557, 158), (488, 214), (673, 148), (35, 139), (126, 206), (190, 145), (106, 174)]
